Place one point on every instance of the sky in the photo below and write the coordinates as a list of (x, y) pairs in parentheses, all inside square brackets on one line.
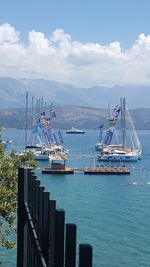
[(83, 43)]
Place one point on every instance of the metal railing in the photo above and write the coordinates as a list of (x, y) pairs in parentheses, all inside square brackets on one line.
[(43, 239)]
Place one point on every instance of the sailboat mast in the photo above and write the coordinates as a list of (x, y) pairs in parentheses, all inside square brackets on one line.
[(26, 134), (32, 109), (41, 105), (123, 120)]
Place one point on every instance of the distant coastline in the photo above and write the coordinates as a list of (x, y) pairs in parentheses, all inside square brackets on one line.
[(68, 116)]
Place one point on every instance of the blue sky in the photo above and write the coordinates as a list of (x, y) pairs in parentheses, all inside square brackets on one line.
[(101, 21), (84, 43)]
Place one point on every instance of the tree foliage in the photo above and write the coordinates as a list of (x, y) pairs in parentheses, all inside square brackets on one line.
[(9, 165)]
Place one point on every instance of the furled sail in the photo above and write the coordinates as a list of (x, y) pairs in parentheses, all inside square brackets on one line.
[(112, 125)]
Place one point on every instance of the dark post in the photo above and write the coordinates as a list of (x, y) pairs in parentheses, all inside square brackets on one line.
[(70, 251), (32, 212), (40, 222), (52, 219), (36, 219), (45, 226), (21, 219), (34, 179), (29, 202), (85, 255), (59, 242)]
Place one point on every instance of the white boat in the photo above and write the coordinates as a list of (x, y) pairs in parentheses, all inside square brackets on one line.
[(119, 156), (6, 143), (99, 146), (41, 156), (48, 151), (122, 151), (39, 153), (75, 131)]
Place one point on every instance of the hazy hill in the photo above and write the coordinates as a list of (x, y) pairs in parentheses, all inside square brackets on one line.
[(78, 107), (68, 116), (12, 94)]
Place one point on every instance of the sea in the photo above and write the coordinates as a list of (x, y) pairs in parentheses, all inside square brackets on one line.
[(112, 212)]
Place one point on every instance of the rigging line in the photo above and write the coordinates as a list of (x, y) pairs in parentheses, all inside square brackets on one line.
[(130, 133), (138, 144)]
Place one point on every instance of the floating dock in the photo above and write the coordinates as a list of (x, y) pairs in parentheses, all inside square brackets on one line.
[(88, 170), (106, 170), (58, 171), (58, 166)]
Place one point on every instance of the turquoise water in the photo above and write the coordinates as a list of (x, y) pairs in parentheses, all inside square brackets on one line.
[(112, 212)]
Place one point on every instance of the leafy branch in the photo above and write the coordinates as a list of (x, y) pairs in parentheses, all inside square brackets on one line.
[(9, 165)]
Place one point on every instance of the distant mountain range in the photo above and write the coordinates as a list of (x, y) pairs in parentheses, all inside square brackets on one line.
[(78, 107), (12, 94)]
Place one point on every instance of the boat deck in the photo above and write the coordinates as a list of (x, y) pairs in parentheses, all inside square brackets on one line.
[(106, 170)]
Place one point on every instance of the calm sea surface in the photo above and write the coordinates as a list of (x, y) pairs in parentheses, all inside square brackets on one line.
[(112, 213)]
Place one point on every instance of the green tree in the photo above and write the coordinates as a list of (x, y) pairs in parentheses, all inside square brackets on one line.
[(9, 165)]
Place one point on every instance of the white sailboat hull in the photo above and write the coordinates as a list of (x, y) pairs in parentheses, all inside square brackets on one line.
[(118, 158), (41, 157)]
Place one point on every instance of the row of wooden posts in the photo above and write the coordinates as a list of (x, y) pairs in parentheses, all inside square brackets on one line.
[(43, 239)]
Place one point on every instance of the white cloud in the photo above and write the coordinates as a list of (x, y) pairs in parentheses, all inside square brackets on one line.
[(8, 33), (62, 59)]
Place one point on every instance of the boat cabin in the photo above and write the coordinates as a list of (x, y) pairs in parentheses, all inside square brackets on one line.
[(58, 163)]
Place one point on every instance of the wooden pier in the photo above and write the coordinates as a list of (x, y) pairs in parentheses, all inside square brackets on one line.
[(106, 170), (88, 170), (58, 166), (58, 171)]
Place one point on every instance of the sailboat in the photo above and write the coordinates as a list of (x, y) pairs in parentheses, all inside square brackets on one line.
[(99, 145), (44, 143), (122, 151), (49, 146)]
